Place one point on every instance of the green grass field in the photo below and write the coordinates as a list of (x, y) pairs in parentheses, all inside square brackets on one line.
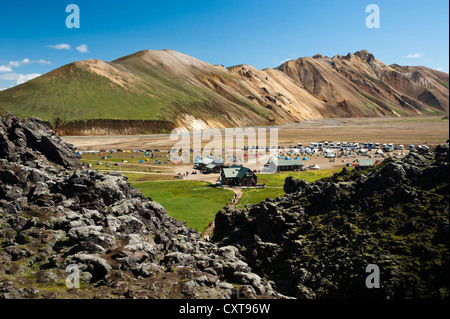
[(192, 201), (195, 202)]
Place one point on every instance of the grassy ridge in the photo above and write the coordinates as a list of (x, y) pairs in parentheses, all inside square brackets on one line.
[(75, 93), (131, 88)]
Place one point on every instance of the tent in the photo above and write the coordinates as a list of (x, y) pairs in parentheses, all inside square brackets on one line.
[(141, 161), (315, 166), (287, 158), (305, 159), (379, 151)]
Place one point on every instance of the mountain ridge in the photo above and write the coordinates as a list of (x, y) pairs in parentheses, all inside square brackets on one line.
[(165, 86)]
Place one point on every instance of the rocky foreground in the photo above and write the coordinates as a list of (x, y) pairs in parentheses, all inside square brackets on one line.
[(55, 212), (315, 242)]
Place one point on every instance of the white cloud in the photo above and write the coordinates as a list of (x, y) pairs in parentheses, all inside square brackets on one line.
[(61, 46), (285, 60), (9, 67), (440, 68), (18, 77), (42, 61), (83, 48), (414, 55), (26, 61), (5, 68), (19, 63)]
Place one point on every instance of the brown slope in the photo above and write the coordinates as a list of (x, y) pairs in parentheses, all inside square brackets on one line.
[(360, 85), (269, 92), (435, 82)]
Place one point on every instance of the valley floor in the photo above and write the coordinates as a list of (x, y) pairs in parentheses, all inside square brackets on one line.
[(403, 130), (196, 202)]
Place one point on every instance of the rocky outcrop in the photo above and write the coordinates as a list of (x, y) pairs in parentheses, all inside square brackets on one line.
[(124, 244), (26, 140), (317, 240)]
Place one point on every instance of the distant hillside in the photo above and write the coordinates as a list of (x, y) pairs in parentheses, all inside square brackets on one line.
[(167, 89)]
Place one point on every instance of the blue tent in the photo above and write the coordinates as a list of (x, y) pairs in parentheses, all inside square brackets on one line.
[(141, 161), (279, 157), (287, 158), (297, 158), (305, 159)]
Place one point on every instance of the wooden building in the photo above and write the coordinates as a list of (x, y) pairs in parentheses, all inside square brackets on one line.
[(238, 176), (279, 165)]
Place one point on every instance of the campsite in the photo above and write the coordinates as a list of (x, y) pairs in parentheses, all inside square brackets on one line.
[(148, 163)]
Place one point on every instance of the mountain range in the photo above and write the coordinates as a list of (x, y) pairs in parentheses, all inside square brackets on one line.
[(156, 91)]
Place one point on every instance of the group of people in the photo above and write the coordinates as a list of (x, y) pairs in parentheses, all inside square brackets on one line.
[(233, 200), (183, 175)]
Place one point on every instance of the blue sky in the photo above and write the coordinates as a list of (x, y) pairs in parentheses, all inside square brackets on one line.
[(34, 38)]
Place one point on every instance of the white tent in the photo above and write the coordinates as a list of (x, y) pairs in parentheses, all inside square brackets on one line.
[(315, 166), (379, 151)]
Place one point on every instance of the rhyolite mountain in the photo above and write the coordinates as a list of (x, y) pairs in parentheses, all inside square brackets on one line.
[(156, 91)]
